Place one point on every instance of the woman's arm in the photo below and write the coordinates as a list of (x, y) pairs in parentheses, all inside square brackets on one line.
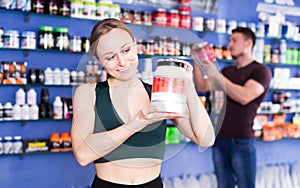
[(89, 146), (198, 126)]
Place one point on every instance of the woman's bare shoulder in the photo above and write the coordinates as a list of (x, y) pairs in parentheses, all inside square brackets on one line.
[(85, 89)]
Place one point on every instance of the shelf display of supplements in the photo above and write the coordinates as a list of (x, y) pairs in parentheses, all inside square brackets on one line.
[(16, 73), (26, 108), (276, 128), (16, 145), (47, 38)]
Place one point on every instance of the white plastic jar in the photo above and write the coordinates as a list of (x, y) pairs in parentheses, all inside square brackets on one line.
[(169, 87)]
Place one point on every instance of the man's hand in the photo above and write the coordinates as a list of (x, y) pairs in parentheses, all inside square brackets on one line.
[(214, 76)]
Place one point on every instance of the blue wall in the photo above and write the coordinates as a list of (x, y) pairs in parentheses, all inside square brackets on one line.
[(61, 169)]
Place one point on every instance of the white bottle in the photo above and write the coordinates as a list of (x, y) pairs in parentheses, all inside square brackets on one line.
[(16, 112), (1, 145), (7, 111), (34, 112), (31, 97), (48, 76), (20, 96), (58, 108), (103, 75), (65, 74), (25, 112), (57, 76), (1, 111), (17, 144)]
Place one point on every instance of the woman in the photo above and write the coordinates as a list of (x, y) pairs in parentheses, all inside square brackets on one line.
[(114, 125)]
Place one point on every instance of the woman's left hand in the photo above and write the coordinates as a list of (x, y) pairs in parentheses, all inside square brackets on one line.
[(188, 67)]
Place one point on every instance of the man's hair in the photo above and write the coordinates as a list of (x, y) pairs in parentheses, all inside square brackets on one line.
[(247, 33)]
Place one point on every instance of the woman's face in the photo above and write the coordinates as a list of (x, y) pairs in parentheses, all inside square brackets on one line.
[(117, 53)]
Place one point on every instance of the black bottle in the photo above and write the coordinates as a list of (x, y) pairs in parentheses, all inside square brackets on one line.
[(44, 95), (31, 76)]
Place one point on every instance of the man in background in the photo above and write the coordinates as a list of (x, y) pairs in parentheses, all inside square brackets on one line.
[(245, 84)]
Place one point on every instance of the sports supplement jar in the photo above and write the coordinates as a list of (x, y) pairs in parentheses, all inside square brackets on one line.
[(203, 53), (169, 87)]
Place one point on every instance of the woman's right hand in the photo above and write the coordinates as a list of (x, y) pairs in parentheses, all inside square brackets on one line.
[(151, 115)]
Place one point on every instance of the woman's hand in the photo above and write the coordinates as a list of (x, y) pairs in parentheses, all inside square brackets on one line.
[(187, 66), (151, 115)]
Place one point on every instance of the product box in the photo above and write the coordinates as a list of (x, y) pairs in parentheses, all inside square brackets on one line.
[(36, 145), (14, 73), (67, 107)]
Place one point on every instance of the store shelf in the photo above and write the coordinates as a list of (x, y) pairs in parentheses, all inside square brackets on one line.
[(23, 155), (148, 27), (23, 122), (282, 64), (284, 89), (279, 113), (27, 51), (36, 85)]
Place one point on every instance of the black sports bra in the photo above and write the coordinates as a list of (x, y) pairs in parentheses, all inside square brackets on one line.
[(147, 143)]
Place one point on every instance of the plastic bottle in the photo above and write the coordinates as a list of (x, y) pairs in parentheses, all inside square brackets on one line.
[(66, 142), (34, 112), (57, 76), (31, 97), (44, 95), (7, 111), (282, 50), (48, 76), (58, 108), (55, 141), (20, 96), (1, 146), (17, 112), (65, 74), (147, 74), (1, 111), (25, 112), (8, 145), (17, 144)]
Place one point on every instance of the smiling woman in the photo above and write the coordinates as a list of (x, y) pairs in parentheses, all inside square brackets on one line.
[(114, 125)]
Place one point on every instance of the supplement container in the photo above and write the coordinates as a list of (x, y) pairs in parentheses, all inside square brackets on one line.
[(8, 145), (1, 146), (160, 17), (66, 144), (203, 52), (55, 142), (61, 39), (45, 37), (1, 37), (169, 87), (28, 40), (1, 112), (16, 112), (76, 9), (11, 39), (58, 108), (17, 145), (7, 111)]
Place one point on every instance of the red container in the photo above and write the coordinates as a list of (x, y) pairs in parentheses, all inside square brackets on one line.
[(160, 17), (185, 20), (203, 53), (173, 18)]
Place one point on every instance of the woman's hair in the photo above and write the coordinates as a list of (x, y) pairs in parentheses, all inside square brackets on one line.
[(103, 27)]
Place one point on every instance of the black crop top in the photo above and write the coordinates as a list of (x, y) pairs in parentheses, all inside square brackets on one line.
[(147, 143)]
